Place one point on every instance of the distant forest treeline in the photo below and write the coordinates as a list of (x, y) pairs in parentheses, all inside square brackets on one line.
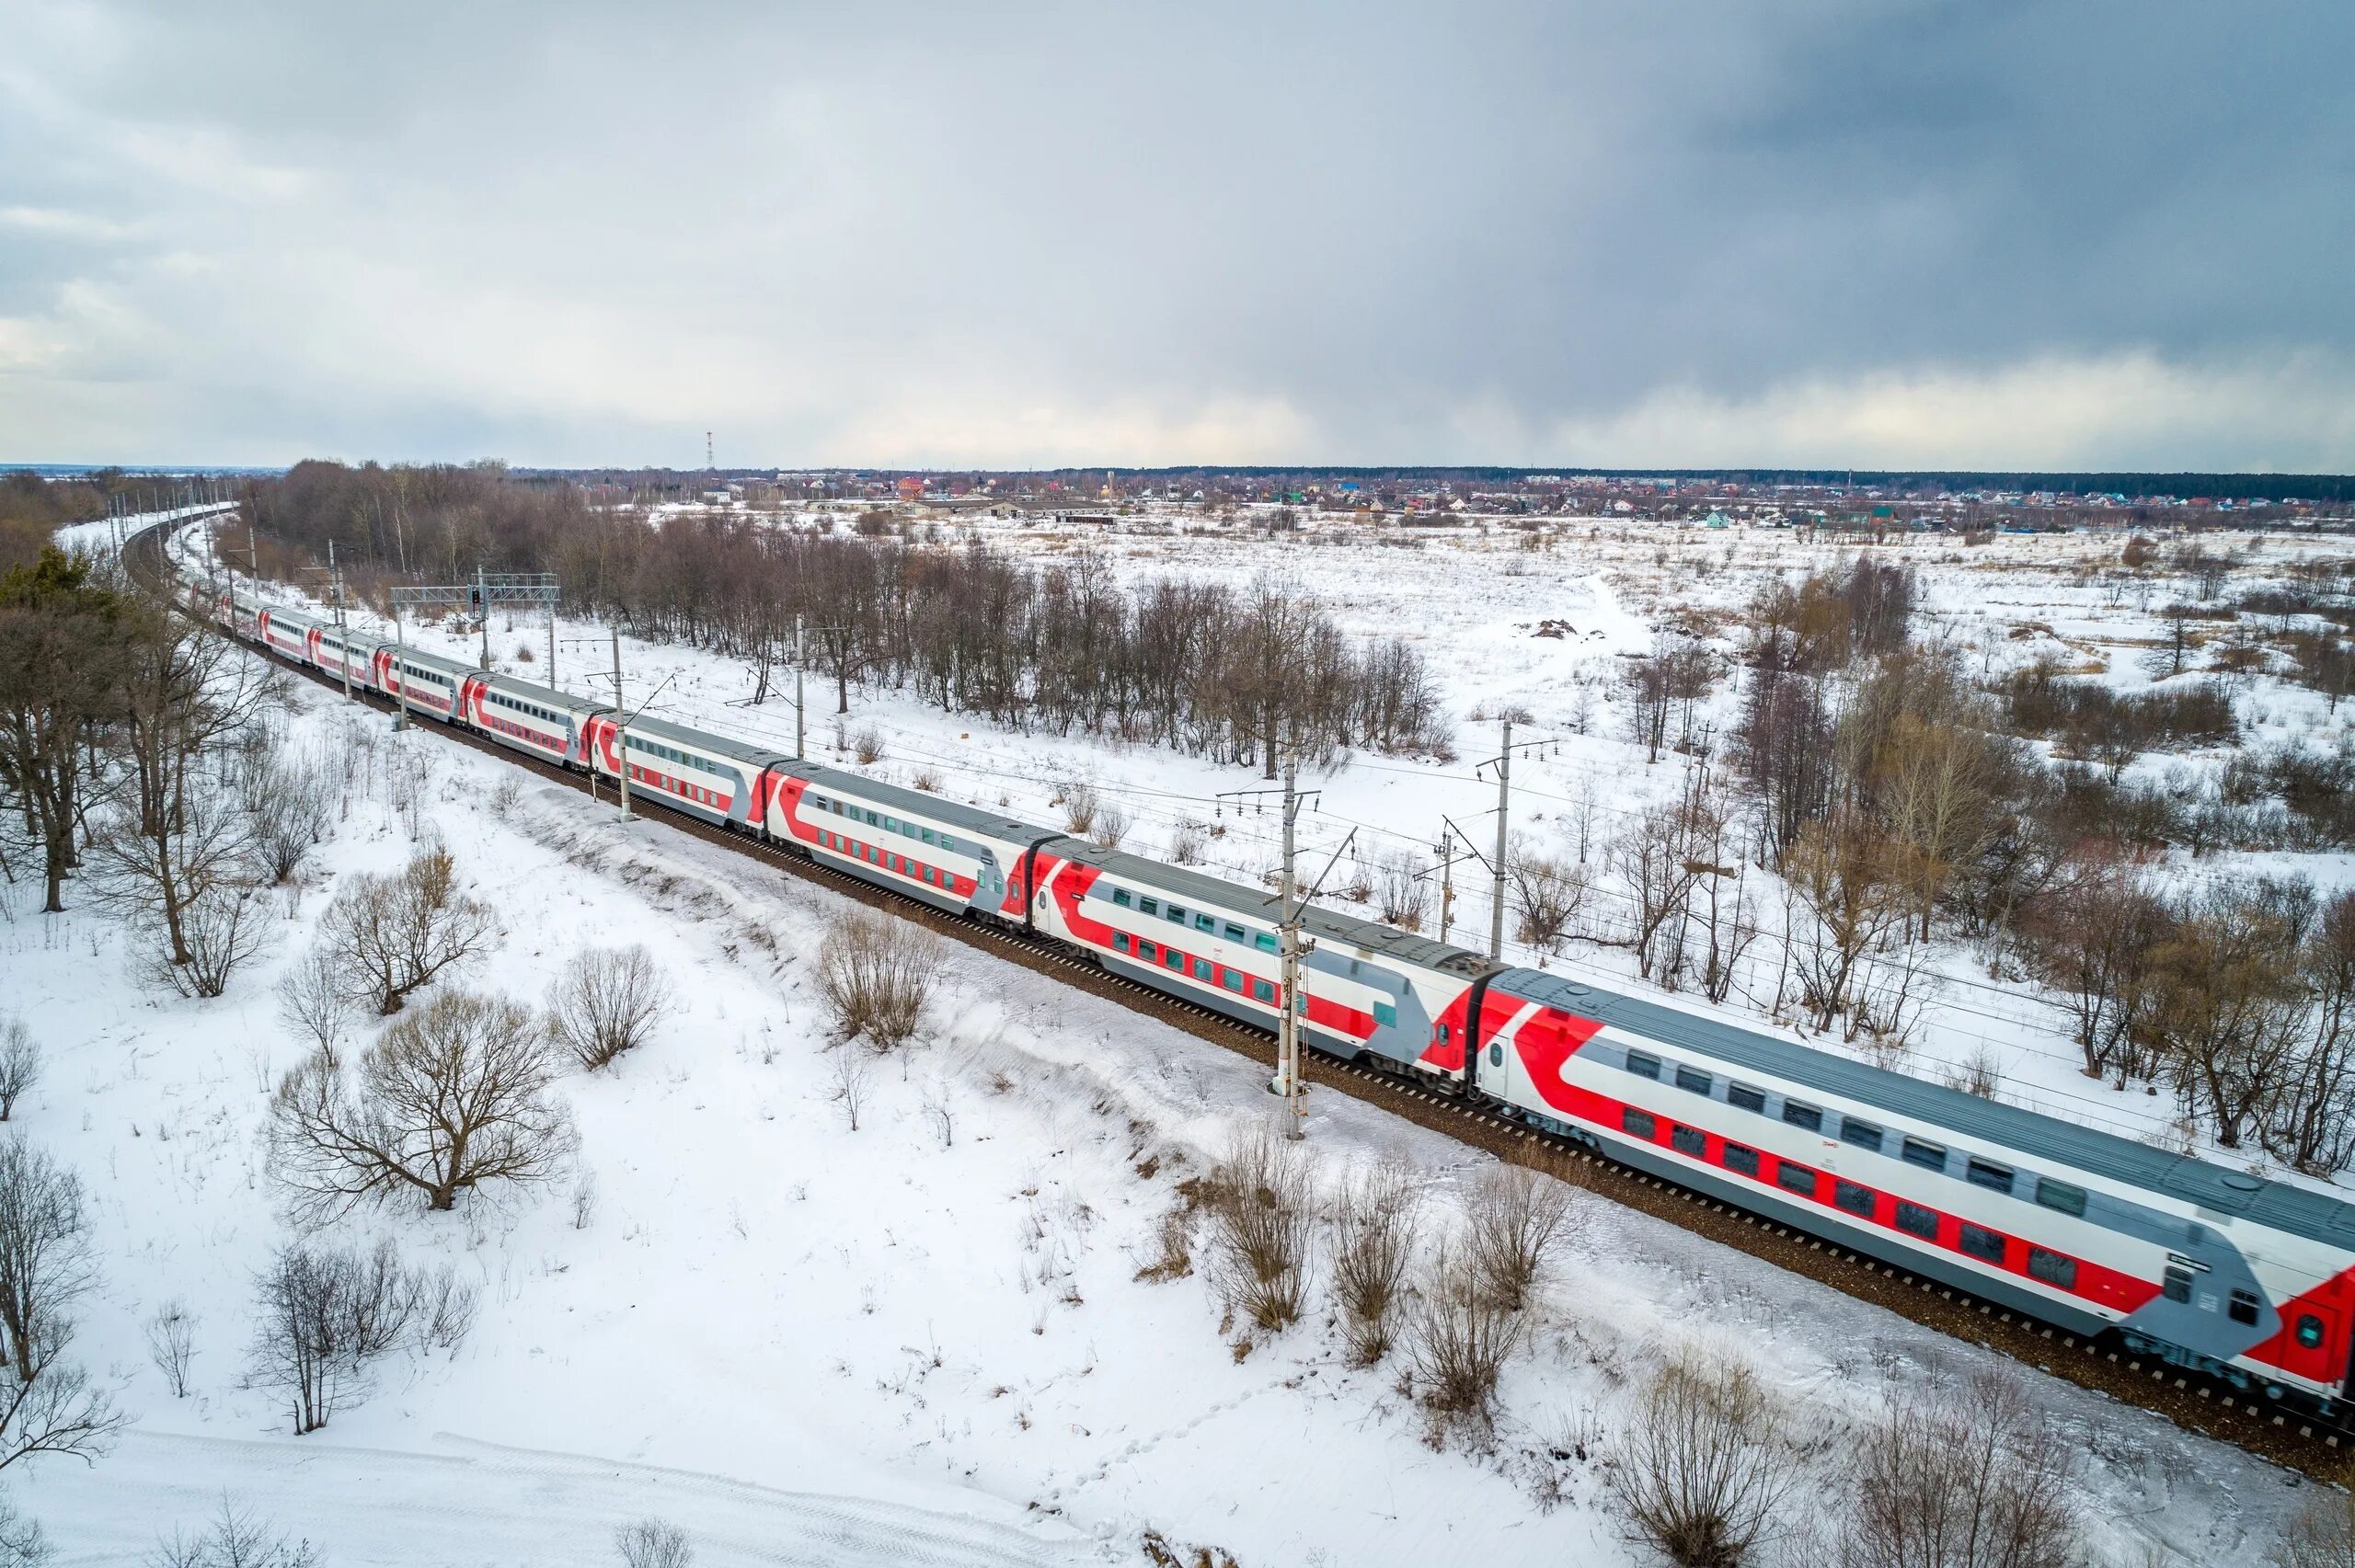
[(1199, 665)]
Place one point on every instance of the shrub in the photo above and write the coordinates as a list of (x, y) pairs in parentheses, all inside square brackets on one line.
[(1373, 1240), (878, 971), (1262, 1223), (607, 1001), (1703, 1472), (1514, 1218), (1972, 1479), (394, 933), (1459, 1338), (20, 1064)]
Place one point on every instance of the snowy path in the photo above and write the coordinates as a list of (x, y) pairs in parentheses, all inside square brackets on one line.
[(470, 1503)]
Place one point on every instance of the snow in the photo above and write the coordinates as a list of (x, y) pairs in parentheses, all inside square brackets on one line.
[(804, 1344), (1477, 602)]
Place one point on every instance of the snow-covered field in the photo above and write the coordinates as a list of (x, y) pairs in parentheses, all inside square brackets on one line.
[(806, 1343), (1512, 620)]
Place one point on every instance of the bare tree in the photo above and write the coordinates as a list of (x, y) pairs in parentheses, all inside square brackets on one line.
[(324, 1314), (1459, 1338), (171, 1343), (23, 1543), (394, 933), (444, 1102), (222, 927), (878, 971), (46, 1404), (315, 999), (653, 1543), (1081, 805), (1112, 823), (1514, 1218), (1968, 1479), (2323, 1534), (852, 1074), (294, 804), (234, 1538), (607, 1001), (1373, 1242), (1400, 894), (1263, 1222), (1852, 882), (1703, 1472), (1546, 894), (20, 1064), (1655, 858)]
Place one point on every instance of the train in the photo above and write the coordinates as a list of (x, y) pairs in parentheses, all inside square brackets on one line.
[(2195, 1263)]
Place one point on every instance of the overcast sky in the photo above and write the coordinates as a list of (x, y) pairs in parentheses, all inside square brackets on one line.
[(1984, 233)]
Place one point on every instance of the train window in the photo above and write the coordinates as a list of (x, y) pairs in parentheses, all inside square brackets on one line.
[(1797, 1178), (948, 843), (1742, 1098), (1265, 942), (927, 835), (1854, 1198), (1982, 1242), (1119, 942), (1929, 1156), (1145, 950), (1177, 914), (1639, 1123), (1688, 1141), (1120, 897), (1643, 1066), (1201, 968), (2059, 1196), (1741, 1159), (1496, 1053), (2244, 1308), (1692, 1080), (1917, 1221), (2310, 1331), (1385, 1015), (2052, 1268), (1263, 990), (892, 825), (874, 820), (1204, 923), (1808, 1117), (1175, 959), (2177, 1286), (1234, 980), (1151, 905), (1987, 1174), (1864, 1135)]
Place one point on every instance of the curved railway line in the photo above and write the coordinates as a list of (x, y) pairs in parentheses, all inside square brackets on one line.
[(2293, 1437)]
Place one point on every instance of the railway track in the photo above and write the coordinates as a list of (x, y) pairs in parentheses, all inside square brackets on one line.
[(2296, 1438)]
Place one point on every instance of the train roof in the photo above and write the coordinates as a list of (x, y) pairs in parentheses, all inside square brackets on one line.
[(1259, 903), (922, 803), (1970, 1118), (701, 739), (532, 692), (450, 668)]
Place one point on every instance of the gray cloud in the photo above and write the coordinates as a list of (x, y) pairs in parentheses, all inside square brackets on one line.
[(1611, 231)]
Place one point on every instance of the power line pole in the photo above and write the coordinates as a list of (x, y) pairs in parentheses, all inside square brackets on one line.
[(335, 587), (621, 729), (1446, 885), (800, 702), (1288, 1074), (1504, 820), (482, 598)]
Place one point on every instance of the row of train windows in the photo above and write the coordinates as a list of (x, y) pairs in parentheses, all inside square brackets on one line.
[(672, 754), (1854, 1197), (889, 861), (1929, 1156), (1264, 940), (414, 674), (550, 714), (1201, 968), (888, 823)]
